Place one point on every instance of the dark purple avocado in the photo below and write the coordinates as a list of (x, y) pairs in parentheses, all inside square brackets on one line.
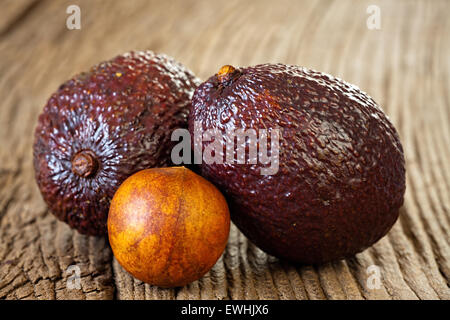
[(341, 177), (104, 125)]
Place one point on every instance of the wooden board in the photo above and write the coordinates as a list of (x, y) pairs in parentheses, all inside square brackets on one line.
[(404, 65)]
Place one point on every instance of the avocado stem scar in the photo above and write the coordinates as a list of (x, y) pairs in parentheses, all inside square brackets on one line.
[(84, 164)]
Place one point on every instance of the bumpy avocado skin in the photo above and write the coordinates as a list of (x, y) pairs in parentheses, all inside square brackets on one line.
[(341, 177), (122, 113)]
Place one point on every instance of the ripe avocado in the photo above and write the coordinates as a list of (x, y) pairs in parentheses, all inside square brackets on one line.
[(341, 176), (104, 125)]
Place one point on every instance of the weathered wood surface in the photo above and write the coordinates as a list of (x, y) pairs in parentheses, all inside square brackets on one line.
[(405, 66)]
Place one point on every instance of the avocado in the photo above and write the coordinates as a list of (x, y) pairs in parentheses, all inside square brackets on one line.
[(104, 125), (341, 171)]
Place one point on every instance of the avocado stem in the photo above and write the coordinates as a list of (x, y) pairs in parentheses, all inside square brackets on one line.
[(84, 164), (225, 73)]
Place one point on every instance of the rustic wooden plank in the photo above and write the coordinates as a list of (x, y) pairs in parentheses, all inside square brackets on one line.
[(404, 66), (15, 12)]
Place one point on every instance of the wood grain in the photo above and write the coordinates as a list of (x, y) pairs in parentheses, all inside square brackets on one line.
[(404, 66)]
